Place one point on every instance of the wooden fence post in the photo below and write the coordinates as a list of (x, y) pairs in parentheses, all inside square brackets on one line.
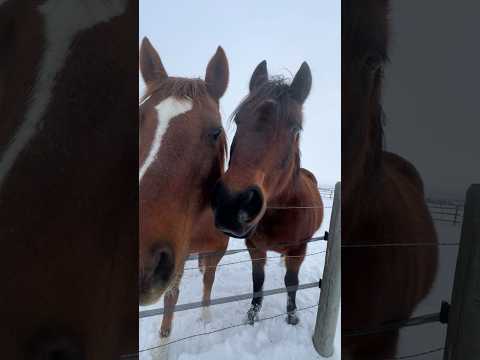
[(329, 303), (463, 333)]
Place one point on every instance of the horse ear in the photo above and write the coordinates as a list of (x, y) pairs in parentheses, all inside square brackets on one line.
[(151, 66), (301, 84), (259, 76), (217, 74)]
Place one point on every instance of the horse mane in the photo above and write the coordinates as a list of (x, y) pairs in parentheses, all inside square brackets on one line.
[(275, 88), (177, 87), (367, 37), (377, 147)]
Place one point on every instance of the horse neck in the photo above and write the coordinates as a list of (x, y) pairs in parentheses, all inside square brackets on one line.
[(360, 202), (291, 186), (367, 180)]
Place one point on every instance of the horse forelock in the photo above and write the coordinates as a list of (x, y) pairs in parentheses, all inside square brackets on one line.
[(276, 89), (175, 86)]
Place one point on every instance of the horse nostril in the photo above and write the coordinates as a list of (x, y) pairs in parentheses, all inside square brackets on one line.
[(57, 348), (251, 203), (243, 217), (165, 265)]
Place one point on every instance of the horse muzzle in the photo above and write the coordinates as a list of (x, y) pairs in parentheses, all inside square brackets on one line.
[(237, 213), (158, 275)]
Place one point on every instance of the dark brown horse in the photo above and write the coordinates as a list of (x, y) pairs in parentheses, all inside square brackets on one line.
[(68, 212), (182, 155), (382, 200), (264, 173)]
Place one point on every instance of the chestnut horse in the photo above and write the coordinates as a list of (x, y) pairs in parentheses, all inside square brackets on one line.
[(68, 212), (382, 197), (182, 155), (265, 172)]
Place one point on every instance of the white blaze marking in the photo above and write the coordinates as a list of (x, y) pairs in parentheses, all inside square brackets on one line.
[(145, 100), (167, 110), (64, 19)]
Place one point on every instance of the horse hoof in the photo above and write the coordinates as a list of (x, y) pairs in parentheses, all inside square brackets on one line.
[(292, 319), (252, 315), (165, 332), (206, 315)]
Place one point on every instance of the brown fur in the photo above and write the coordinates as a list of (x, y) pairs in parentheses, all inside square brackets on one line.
[(265, 154), (175, 191), (68, 222), (382, 200)]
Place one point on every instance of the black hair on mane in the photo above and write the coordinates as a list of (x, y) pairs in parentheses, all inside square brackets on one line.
[(275, 88)]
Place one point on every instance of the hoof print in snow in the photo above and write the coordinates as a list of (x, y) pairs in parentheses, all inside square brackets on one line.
[(292, 319)]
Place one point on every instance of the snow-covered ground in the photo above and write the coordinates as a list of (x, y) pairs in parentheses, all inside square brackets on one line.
[(272, 338)]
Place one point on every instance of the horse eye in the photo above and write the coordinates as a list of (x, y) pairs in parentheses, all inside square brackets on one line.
[(215, 133)]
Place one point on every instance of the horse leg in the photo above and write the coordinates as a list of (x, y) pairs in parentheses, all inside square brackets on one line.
[(209, 268), (169, 301), (258, 276), (291, 280)]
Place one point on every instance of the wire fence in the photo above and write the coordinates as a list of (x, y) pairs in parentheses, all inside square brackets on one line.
[(427, 244), (278, 246), (252, 260), (440, 317), (129, 356), (416, 355), (441, 211), (229, 299)]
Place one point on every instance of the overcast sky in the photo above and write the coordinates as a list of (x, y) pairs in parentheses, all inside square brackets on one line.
[(285, 33), (431, 92)]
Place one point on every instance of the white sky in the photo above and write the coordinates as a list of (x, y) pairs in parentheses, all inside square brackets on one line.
[(285, 33)]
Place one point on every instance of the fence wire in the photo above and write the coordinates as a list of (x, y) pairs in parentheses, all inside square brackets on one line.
[(229, 299), (433, 244), (457, 214), (297, 207), (213, 331), (417, 354), (396, 325), (251, 260), (272, 247)]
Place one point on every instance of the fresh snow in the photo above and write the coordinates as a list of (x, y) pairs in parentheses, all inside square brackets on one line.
[(272, 338)]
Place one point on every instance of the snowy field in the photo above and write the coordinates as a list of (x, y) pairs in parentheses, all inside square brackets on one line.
[(272, 338)]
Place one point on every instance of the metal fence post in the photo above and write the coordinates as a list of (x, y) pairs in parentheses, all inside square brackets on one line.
[(329, 303), (463, 333)]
